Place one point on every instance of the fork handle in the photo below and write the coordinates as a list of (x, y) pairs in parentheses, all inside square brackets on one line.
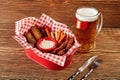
[(73, 76), (85, 76)]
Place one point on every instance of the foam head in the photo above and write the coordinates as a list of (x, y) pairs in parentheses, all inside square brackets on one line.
[(87, 14)]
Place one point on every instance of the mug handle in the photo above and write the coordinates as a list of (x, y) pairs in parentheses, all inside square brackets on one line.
[(99, 26)]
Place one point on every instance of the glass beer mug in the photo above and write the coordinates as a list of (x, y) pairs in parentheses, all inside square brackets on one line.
[(88, 24)]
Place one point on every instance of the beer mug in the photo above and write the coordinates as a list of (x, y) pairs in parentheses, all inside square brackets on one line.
[(88, 24)]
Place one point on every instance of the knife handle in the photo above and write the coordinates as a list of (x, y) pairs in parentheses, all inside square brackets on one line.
[(85, 76), (73, 76)]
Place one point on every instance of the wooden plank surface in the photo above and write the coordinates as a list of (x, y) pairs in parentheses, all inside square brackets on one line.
[(61, 10), (15, 65)]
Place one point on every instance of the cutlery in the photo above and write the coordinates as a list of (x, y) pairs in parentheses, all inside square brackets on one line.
[(93, 66), (82, 68)]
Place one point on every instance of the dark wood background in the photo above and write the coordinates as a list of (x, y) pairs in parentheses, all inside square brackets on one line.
[(15, 65), (61, 10)]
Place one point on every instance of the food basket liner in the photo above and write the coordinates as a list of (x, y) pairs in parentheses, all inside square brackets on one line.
[(22, 26)]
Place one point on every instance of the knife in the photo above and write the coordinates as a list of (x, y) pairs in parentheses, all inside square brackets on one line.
[(82, 68)]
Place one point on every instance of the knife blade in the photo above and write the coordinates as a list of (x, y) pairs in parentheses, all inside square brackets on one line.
[(82, 68)]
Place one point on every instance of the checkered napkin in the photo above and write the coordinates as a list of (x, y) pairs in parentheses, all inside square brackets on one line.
[(25, 24)]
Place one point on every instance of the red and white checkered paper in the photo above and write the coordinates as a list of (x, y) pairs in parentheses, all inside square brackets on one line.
[(25, 24)]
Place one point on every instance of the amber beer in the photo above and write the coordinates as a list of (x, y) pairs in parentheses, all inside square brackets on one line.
[(88, 24)]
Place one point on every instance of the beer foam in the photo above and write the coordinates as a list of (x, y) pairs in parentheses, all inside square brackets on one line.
[(87, 14)]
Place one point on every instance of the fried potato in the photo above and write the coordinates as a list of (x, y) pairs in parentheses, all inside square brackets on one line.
[(30, 38), (36, 33)]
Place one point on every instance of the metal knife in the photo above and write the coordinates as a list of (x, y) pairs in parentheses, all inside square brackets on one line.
[(82, 68)]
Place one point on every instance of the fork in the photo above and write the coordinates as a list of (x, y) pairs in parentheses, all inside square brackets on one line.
[(93, 66)]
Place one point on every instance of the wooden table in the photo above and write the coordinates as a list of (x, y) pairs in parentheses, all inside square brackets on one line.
[(15, 65)]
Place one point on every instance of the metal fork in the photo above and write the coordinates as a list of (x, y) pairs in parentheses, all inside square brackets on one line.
[(93, 66)]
